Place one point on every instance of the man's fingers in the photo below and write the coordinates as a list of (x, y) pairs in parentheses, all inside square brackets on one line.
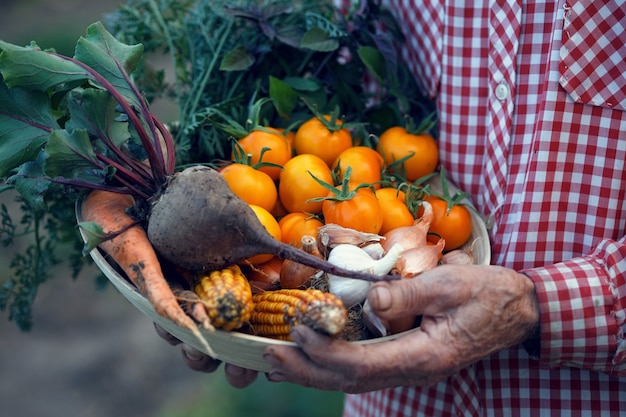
[(291, 364), (328, 363), (197, 360), (165, 335), (390, 300), (439, 289), (239, 377)]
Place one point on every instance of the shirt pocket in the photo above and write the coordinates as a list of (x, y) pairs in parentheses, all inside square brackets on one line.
[(592, 62)]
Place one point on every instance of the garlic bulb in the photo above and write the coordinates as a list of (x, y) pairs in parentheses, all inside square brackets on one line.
[(353, 291)]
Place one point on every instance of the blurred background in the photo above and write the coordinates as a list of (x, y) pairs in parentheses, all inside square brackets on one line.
[(90, 353)]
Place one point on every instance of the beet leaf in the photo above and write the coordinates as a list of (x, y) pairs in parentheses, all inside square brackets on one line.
[(80, 121)]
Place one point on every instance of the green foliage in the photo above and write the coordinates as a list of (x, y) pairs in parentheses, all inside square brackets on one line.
[(70, 123), (48, 238), (226, 54)]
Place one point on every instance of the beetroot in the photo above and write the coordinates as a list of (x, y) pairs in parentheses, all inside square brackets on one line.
[(200, 224)]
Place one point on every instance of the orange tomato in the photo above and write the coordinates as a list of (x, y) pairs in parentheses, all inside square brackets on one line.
[(395, 211), (454, 226), (296, 186), (278, 150), (365, 162), (361, 212), (390, 192), (396, 143), (271, 225), (251, 185), (289, 136), (294, 226), (313, 137)]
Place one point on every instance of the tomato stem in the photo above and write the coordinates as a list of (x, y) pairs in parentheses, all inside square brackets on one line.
[(241, 157), (342, 193)]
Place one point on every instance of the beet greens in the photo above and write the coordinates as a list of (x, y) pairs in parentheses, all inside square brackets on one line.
[(91, 126)]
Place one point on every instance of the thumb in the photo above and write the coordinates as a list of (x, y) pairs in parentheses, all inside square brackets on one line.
[(395, 299)]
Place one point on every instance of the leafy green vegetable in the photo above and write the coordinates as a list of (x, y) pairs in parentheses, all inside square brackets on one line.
[(225, 54), (69, 123)]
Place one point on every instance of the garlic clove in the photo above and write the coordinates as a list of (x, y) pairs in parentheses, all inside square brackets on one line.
[(349, 290), (457, 257), (375, 250), (353, 291), (357, 259), (331, 235)]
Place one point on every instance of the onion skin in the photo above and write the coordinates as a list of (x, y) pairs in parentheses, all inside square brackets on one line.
[(265, 276), (414, 261), (331, 235), (410, 236), (457, 257), (294, 275)]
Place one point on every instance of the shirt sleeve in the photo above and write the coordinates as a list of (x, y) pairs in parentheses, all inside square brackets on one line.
[(582, 305)]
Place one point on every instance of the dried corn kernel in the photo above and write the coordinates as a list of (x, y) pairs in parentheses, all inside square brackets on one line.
[(276, 312), (227, 296)]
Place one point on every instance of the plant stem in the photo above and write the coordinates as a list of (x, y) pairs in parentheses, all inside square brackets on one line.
[(155, 157), (172, 50), (199, 90)]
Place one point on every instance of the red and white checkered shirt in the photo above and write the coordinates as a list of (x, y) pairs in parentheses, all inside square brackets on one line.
[(532, 101)]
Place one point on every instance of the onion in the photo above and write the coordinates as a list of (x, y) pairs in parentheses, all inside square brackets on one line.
[(266, 276), (296, 275), (419, 259), (410, 236)]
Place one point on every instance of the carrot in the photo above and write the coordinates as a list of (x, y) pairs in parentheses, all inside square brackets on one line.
[(133, 252)]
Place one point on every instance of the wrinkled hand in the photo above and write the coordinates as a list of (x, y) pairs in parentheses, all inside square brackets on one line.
[(468, 312), (236, 376)]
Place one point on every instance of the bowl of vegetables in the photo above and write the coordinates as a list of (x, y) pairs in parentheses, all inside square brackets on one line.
[(159, 232), (242, 346)]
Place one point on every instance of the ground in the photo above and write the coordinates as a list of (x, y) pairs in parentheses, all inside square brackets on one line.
[(89, 354)]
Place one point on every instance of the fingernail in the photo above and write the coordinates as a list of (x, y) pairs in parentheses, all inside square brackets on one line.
[(276, 377), (297, 336), (193, 354), (380, 297), (235, 370), (272, 359)]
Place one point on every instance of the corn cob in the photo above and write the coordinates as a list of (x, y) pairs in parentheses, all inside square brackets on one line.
[(227, 296), (276, 312)]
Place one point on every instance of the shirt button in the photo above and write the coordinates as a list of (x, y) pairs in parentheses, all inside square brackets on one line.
[(502, 92)]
